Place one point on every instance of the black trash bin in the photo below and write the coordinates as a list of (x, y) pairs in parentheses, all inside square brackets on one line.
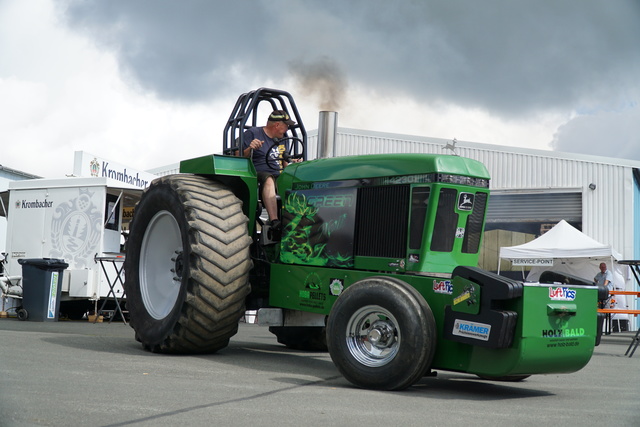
[(41, 287)]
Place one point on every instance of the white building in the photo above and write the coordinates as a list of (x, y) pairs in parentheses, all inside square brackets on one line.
[(530, 188)]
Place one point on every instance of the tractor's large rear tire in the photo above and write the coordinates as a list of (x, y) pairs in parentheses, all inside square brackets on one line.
[(187, 265), (381, 334)]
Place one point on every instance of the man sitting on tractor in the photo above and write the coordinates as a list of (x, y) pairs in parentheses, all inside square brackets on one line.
[(261, 144)]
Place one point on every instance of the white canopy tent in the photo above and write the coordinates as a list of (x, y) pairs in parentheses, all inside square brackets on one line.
[(565, 249), (562, 241)]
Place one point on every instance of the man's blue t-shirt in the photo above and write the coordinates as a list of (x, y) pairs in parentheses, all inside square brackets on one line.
[(601, 277), (260, 155)]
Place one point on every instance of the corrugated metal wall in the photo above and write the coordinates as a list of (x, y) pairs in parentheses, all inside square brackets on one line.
[(608, 211), (541, 206)]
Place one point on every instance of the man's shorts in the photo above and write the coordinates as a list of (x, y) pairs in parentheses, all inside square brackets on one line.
[(263, 176)]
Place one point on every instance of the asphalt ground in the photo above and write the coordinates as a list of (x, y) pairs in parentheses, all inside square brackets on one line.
[(74, 373)]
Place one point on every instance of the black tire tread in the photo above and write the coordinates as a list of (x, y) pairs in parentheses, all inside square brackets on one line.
[(406, 368), (219, 267)]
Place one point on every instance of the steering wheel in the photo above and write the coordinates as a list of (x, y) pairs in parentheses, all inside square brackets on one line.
[(287, 155)]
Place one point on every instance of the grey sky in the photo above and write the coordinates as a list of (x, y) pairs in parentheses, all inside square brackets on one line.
[(152, 81), (511, 57)]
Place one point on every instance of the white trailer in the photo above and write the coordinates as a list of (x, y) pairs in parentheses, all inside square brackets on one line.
[(75, 219)]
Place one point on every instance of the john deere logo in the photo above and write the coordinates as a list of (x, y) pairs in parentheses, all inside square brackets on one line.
[(465, 201), (94, 167)]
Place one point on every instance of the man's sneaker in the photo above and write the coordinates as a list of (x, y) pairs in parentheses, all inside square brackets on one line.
[(275, 225), (271, 232)]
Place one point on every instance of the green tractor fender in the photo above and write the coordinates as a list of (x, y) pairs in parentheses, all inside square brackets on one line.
[(237, 173)]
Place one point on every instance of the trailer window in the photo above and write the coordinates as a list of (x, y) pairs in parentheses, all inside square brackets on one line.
[(444, 227), (112, 212), (419, 203)]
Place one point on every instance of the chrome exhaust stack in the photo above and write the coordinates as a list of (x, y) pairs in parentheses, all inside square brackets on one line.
[(327, 131)]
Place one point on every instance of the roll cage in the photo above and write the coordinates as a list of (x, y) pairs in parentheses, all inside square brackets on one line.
[(245, 115)]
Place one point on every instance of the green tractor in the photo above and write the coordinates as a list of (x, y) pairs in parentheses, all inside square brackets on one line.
[(375, 261)]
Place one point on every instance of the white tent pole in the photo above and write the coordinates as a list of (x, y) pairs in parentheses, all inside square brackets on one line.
[(613, 270)]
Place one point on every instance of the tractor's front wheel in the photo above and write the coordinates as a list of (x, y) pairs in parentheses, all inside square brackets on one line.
[(187, 265), (381, 334)]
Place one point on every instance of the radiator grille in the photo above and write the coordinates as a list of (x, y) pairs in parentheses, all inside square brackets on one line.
[(382, 219), (444, 229), (473, 231)]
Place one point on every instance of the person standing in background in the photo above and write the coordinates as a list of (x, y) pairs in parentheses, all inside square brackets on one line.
[(604, 278)]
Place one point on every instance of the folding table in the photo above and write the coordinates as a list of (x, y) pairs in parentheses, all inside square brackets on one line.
[(117, 261)]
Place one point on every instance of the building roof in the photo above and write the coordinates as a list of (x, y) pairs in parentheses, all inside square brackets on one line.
[(6, 172), (489, 147)]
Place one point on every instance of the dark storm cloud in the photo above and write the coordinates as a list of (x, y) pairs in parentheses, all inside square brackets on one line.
[(511, 58), (183, 50)]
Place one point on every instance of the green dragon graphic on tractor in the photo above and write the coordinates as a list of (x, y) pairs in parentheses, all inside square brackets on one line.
[(306, 238), (375, 261)]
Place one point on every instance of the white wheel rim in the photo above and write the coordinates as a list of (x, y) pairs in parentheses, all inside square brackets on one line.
[(160, 266)]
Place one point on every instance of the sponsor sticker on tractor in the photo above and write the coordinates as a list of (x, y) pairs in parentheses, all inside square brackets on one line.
[(336, 287), (562, 294), (443, 287), (478, 331)]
